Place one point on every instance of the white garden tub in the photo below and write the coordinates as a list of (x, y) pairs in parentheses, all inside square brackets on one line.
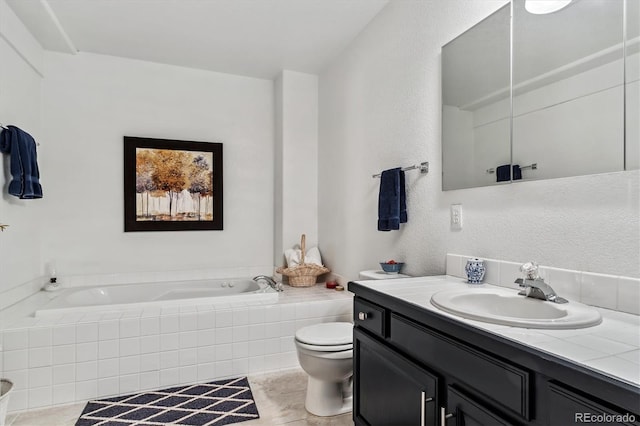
[(163, 294)]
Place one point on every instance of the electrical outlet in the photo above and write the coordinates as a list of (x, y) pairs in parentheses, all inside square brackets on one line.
[(456, 216)]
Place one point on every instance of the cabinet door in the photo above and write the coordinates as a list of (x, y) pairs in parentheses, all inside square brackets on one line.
[(389, 389), (568, 408), (463, 411), (506, 384)]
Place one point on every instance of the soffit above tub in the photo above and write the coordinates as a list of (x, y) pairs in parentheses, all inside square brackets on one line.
[(256, 38)]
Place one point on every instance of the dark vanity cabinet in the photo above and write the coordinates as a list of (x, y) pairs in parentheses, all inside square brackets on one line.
[(413, 366), (397, 390)]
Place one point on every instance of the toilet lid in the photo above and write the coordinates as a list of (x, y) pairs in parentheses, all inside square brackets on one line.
[(334, 350), (326, 334)]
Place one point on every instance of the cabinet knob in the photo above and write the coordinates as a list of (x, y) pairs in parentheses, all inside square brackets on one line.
[(444, 416), (363, 316)]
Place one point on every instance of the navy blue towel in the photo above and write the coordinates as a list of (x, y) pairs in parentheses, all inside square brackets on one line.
[(25, 174), (503, 173), (392, 200), (517, 172)]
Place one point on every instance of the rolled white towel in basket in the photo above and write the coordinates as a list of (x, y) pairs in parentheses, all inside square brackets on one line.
[(312, 256)]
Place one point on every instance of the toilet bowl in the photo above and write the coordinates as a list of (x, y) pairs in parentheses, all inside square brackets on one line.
[(325, 352)]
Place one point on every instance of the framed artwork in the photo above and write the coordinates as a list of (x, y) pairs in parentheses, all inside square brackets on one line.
[(172, 185)]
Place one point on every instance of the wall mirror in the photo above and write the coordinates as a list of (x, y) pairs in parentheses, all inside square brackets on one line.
[(476, 107), (538, 96)]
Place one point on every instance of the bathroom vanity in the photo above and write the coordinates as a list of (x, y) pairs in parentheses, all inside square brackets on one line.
[(416, 365)]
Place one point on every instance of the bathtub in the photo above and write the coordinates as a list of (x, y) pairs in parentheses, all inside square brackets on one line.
[(83, 350), (163, 294)]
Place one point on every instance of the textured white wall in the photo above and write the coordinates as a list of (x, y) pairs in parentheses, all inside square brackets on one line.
[(91, 102), (296, 193), (20, 105), (380, 108)]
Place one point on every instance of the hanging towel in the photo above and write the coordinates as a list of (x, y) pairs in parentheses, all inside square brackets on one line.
[(517, 172), (25, 174), (392, 200), (503, 173)]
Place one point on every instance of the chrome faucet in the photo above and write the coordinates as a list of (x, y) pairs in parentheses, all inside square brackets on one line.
[(534, 286), (272, 283)]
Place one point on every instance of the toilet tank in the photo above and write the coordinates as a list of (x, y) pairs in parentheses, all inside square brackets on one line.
[(379, 275)]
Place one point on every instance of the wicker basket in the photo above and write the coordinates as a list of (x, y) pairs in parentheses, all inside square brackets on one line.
[(303, 274)]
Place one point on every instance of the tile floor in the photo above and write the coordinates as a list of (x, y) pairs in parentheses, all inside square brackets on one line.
[(279, 397)]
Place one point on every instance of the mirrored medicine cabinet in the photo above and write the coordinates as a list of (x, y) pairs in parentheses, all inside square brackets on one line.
[(538, 96)]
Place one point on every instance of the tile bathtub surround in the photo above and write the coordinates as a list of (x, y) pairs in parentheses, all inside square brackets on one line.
[(75, 357), (22, 291), (606, 291)]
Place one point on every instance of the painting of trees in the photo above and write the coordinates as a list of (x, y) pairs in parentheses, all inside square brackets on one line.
[(177, 180), (172, 185), (144, 183), (198, 177)]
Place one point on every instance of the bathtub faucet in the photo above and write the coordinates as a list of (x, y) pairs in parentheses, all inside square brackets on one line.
[(272, 283)]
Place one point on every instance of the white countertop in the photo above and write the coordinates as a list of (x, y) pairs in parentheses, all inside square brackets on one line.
[(612, 347)]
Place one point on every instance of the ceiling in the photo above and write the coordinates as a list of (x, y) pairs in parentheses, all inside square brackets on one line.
[(256, 38)]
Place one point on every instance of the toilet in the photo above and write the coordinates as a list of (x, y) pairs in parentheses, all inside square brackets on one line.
[(325, 352), (378, 274)]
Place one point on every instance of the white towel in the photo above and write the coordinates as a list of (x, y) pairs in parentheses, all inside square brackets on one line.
[(312, 256), (289, 253)]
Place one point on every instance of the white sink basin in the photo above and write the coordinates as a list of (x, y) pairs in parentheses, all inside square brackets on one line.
[(506, 307)]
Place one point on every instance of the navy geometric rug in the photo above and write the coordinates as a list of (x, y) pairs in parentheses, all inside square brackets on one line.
[(217, 403)]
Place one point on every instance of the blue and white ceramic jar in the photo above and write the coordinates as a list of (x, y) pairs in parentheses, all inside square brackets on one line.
[(475, 270)]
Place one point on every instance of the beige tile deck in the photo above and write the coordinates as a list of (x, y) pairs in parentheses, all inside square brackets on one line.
[(279, 397)]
